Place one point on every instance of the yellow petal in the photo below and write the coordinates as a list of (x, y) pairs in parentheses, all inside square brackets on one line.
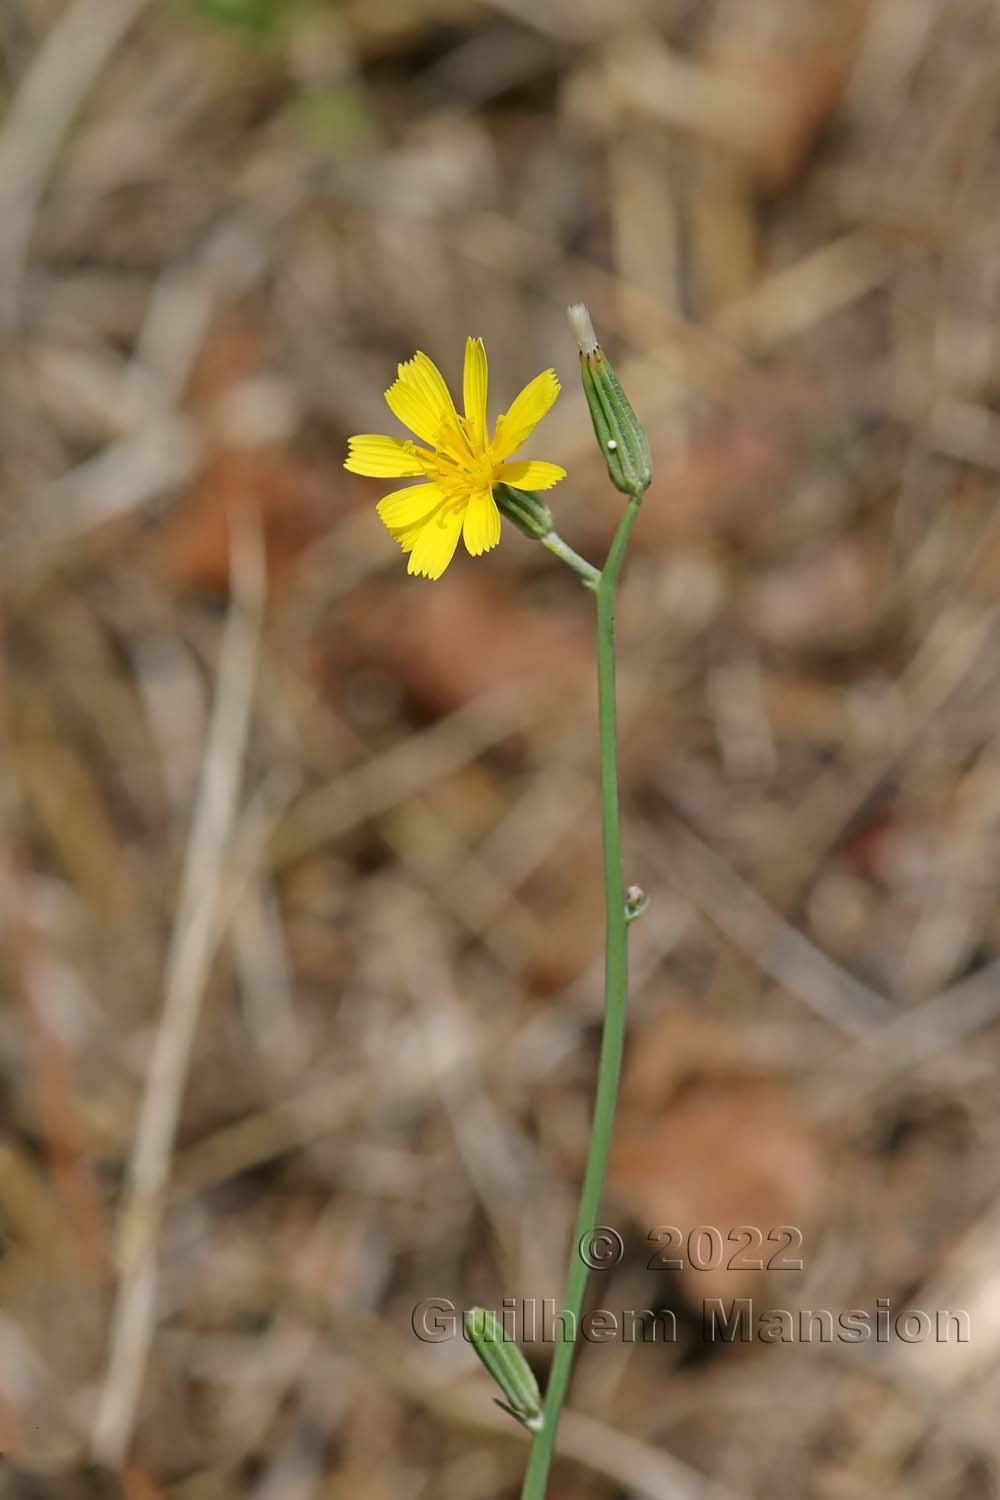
[(435, 547), (525, 412), (420, 399), (532, 474), (406, 536), (383, 457), (474, 383), (409, 507), (424, 374), (481, 527)]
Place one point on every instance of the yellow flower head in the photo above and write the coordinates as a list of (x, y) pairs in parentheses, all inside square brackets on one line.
[(461, 463)]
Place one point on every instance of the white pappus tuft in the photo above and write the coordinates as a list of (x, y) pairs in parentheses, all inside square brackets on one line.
[(583, 327)]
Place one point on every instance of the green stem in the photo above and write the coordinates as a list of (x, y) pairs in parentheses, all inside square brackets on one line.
[(581, 567), (615, 1001)]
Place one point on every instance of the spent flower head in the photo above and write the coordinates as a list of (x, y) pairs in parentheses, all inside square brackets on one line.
[(460, 463), (618, 430)]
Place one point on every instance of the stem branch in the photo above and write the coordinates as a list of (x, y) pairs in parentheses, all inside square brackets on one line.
[(581, 567)]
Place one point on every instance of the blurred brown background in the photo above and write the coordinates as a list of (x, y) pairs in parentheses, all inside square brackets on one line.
[(299, 858)]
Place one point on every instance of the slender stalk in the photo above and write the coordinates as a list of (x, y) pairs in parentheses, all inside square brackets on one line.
[(581, 567), (615, 1001)]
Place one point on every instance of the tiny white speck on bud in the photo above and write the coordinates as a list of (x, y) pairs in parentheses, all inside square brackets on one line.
[(582, 325), (612, 444)]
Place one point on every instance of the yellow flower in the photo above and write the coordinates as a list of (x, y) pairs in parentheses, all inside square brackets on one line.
[(461, 463)]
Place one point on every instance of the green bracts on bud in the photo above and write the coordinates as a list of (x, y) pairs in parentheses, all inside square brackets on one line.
[(527, 510), (507, 1365), (618, 429)]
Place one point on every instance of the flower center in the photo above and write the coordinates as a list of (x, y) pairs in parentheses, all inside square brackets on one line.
[(460, 465)]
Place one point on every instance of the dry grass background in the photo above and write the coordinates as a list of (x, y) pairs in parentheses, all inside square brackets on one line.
[(298, 857)]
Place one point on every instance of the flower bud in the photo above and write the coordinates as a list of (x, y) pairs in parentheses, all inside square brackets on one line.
[(507, 1365), (618, 430), (526, 509)]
